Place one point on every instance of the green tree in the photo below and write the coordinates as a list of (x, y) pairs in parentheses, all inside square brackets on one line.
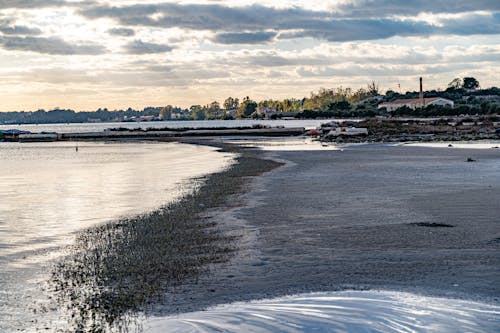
[(213, 111), (456, 83), (215, 106), (166, 112), (470, 83), (287, 105), (231, 103), (197, 112), (339, 105), (373, 89), (246, 108)]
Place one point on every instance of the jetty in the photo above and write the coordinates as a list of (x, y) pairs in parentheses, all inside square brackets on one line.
[(151, 134)]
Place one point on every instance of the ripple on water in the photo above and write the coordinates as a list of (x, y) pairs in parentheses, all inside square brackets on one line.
[(354, 311), (49, 192)]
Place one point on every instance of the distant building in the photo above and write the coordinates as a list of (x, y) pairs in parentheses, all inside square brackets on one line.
[(266, 111), (416, 103)]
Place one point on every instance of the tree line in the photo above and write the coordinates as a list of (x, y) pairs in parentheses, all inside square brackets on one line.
[(325, 103)]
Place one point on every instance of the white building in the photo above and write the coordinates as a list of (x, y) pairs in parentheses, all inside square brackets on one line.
[(416, 103)]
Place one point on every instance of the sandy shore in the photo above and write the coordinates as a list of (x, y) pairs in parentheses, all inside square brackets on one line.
[(359, 219)]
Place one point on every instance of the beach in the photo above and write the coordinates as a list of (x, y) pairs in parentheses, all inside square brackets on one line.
[(393, 224), (364, 217)]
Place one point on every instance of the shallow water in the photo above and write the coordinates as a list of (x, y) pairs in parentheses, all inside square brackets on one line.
[(490, 144), (354, 311), (49, 191), (99, 127), (285, 144)]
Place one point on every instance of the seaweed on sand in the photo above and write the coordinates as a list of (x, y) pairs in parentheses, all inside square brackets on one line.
[(119, 269)]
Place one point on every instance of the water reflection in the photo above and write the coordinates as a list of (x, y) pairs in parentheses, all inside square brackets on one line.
[(286, 144), (48, 191), (361, 311), (468, 145), (99, 127)]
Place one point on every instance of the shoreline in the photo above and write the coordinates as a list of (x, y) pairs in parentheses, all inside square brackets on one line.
[(120, 269), (348, 311), (258, 268)]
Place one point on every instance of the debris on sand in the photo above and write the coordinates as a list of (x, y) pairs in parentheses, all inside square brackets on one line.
[(433, 225)]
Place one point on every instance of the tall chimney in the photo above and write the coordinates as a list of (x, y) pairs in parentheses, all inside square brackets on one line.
[(421, 94)]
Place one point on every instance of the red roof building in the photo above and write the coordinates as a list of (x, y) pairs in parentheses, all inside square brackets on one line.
[(416, 103)]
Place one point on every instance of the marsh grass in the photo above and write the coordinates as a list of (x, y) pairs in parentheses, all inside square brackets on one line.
[(122, 268)]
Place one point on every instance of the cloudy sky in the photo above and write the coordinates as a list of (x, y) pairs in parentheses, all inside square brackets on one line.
[(120, 53)]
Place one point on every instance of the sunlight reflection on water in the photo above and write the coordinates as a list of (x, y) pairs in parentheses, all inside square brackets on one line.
[(49, 191), (353, 311)]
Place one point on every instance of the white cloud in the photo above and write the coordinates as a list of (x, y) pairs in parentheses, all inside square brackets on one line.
[(181, 52)]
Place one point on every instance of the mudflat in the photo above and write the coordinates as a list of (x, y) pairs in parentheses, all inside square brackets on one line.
[(401, 218)]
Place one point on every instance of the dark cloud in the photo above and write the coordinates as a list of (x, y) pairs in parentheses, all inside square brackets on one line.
[(140, 47), (50, 45), (30, 3), (359, 20), (472, 24), (201, 17), (19, 30), (245, 37), (384, 8), (368, 29), (124, 32)]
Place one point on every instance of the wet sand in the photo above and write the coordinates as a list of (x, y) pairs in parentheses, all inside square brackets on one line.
[(358, 219)]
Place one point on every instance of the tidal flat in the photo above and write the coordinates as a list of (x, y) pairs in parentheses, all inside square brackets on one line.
[(415, 220), (364, 217), (117, 270)]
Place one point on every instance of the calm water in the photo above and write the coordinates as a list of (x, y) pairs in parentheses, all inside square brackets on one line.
[(99, 127), (48, 191), (354, 311)]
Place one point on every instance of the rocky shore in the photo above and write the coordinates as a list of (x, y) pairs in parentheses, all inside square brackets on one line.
[(425, 130)]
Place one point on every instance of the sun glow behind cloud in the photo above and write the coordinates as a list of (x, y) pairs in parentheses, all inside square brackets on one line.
[(116, 54)]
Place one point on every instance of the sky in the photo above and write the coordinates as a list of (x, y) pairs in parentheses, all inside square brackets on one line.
[(129, 53)]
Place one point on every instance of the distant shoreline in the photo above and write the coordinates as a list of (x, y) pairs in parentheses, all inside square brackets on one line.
[(339, 130)]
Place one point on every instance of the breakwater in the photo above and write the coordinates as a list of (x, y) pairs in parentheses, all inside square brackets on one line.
[(151, 134)]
